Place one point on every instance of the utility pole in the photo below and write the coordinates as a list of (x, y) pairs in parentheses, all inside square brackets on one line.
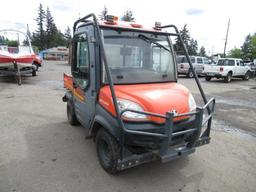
[(224, 53)]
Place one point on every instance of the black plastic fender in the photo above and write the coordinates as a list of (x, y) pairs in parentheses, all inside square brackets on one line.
[(103, 119)]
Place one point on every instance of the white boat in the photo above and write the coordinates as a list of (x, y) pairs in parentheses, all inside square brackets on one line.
[(16, 54)]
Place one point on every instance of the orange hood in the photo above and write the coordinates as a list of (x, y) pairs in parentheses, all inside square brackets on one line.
[(155, 98)]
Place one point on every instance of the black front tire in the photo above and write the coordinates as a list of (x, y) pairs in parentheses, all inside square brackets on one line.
[(36, 66), (108, 151), (207, 78), (33, 72), (247, 75), (71, 114)]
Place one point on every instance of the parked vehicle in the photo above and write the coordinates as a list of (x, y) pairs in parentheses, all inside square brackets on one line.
[(252, 67), (197, 62), (124, 89), (227, 68), (16, 54)]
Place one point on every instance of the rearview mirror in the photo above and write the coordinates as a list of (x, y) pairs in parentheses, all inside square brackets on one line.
[(125, 51)]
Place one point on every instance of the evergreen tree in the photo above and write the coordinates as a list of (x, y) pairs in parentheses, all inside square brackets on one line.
[(2, 40), (185, 36), (192, 47), (128, 16), (202, 52), (103, 13), (67, 36), (249, 47), (38, 37), (59, 39), (51, 30)]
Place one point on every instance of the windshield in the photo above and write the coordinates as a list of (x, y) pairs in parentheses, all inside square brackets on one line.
[(14, 42), (135, 57), (226, 62), (183, 59)]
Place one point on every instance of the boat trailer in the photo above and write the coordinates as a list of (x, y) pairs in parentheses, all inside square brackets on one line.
[(18, 71)]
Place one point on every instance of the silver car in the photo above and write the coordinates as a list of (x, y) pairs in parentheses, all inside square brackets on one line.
[(197, 62)]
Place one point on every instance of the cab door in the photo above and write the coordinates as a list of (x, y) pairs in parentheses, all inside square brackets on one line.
[(239, 68), (83, 74), (243, 67)]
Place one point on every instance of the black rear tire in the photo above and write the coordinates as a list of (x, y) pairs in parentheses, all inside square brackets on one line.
[(190, 74), (207, 78), (228, 78), (108, 151), (71, 114)]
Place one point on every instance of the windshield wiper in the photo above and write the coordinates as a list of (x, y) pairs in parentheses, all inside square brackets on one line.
[(145, 38)]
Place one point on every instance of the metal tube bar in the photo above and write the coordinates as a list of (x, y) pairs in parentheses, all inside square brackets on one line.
[(185, 131)]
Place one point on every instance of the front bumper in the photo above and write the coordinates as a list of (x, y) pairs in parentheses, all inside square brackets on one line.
[(169, 141)]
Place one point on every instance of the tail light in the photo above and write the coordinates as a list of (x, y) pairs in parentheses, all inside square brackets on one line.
[(181, 66), (221, 69)]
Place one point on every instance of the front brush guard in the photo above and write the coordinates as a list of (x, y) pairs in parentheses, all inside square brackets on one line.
[(198, 136)]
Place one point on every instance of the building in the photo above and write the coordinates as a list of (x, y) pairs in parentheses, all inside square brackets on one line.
[(55, 53)]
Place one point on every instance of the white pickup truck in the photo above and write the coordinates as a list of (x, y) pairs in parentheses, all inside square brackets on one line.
[(227, 68)]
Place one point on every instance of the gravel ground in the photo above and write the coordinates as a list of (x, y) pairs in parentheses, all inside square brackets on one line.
[(41, 152)]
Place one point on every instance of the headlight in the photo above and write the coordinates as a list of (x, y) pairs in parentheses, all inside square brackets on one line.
[(191, 103), (126, 104)]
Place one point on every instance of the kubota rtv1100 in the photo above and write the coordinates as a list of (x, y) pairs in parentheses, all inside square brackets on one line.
[(124, 89)]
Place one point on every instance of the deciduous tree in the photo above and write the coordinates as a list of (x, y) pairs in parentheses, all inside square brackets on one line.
[(235, 53)]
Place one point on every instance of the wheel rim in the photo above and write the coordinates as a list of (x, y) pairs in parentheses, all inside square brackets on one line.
[(190, 74), (104, 151)]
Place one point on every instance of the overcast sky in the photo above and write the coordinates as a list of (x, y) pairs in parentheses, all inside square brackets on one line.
[(206, 19)]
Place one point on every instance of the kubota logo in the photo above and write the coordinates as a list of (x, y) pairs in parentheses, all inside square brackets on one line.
[(174, 112)]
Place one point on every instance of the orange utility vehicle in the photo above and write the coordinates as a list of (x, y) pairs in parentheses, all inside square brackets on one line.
[(124, 89)]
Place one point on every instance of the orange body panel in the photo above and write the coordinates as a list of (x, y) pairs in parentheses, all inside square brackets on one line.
[(155, 98), (68, 84), (68, 81)]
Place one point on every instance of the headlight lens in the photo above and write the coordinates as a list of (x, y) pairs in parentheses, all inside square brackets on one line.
[(126, 104), (191, 103)]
